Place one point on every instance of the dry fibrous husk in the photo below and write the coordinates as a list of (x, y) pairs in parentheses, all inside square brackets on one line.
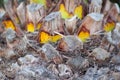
[(70, 24), (70, 5), (9, 9), (27, 59), (95, 6), (115, 75), (69, 43), (116, 59), (2, 76), (118, 18), (7, 53), (93, 73), (100, 54), (92, 22), (111, 16), (35, 12), (78, 62), (33, 72), (60, 64), (21, 13), (49, 53), (10, 35), (31, 69), (11, 38), (15, 66), (12, 69), (22, 44), (13, 43), (12, 15), (117, 67), (64, 71), (112, 39), (114, 36), (106, 45), (106, 6), (115, 10), (2, 13), (53, 68), (52, 30), (53, 22)]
